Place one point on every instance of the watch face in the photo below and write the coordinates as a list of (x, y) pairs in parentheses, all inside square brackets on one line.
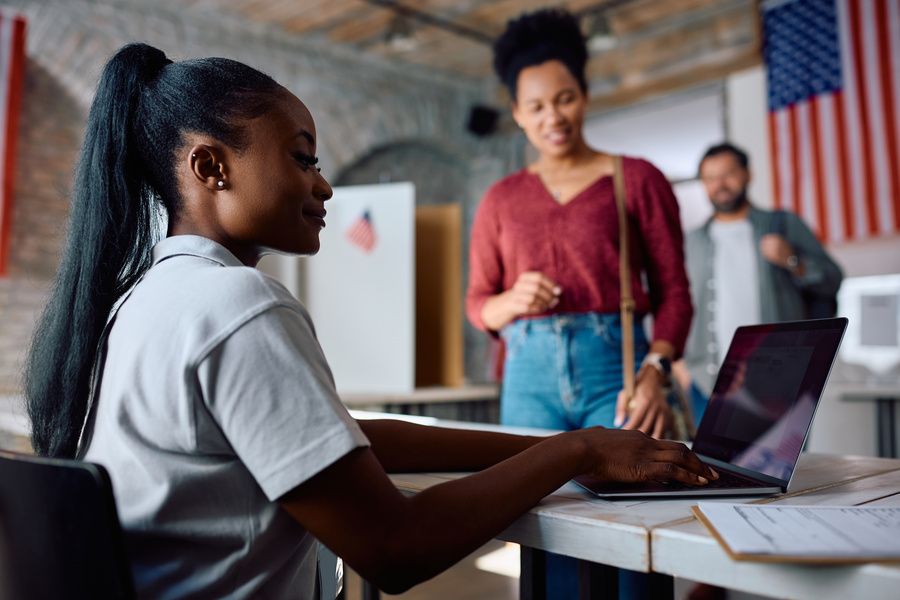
[(666, 364)]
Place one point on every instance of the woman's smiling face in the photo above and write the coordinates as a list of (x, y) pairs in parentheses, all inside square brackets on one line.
[(279, 193), (550, 108)]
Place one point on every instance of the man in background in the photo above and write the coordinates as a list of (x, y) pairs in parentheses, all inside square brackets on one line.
[(746, 266)]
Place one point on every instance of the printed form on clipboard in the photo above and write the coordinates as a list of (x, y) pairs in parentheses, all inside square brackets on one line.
[(807, 534)]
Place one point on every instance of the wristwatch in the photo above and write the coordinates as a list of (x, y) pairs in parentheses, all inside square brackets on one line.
[(793, 261), (661, 363)]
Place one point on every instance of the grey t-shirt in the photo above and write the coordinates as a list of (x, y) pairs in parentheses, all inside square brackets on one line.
[(735, 269), (214, 400)]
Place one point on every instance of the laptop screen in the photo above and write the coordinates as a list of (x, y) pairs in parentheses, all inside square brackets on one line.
[(766, 394)]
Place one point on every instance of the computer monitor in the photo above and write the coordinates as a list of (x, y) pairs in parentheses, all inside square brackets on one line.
[(871, 347)]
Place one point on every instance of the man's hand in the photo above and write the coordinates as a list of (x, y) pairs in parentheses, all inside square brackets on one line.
[(777, 251)]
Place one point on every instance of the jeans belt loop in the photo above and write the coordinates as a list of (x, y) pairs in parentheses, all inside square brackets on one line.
[(598, 323)]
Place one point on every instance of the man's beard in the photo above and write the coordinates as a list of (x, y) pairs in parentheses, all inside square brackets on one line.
[(733, 205)]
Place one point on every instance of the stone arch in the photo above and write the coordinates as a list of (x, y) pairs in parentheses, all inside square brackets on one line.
[(440, 175)]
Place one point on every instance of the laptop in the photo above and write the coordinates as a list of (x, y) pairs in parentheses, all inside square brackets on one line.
[(759, 413)]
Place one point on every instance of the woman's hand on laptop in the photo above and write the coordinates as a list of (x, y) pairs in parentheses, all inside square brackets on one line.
[(648, 410), (632, 456)]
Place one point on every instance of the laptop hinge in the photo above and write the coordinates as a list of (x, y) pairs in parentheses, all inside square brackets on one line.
[(749, 474)]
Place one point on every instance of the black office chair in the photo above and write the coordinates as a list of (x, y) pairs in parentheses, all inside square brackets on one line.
[(60, 535)]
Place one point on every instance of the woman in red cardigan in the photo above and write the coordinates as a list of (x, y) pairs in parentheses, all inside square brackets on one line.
[(544, 267), (544, 262)]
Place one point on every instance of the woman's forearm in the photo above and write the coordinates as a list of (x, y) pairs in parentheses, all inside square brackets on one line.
[(403, 447), (495, 313), (397, 541), (493, 499)]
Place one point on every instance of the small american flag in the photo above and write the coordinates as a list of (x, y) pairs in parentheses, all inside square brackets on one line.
[(12, 62), (834, 113), (361, 233)]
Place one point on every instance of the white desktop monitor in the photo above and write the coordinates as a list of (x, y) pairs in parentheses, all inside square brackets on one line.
[(872, 340)]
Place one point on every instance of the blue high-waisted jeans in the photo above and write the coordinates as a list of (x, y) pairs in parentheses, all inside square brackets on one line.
[(564, 371)]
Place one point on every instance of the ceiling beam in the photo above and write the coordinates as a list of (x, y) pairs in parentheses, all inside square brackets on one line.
[(434, 21)]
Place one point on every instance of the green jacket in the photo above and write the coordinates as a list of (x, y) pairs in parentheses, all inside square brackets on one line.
[(779, 290)]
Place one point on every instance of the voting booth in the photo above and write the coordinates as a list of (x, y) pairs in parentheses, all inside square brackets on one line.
[(360, 288)]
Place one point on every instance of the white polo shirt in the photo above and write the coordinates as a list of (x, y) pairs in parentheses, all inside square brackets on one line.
[(214, 400)]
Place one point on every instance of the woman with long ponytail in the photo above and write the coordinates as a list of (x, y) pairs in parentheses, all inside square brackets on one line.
[(108, 247), (198, 382)]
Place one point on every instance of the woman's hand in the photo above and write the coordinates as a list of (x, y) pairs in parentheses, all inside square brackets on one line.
[(648, 410), (632, 456), (531, 294)]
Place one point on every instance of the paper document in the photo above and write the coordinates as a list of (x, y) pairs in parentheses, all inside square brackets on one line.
[(804, 532)]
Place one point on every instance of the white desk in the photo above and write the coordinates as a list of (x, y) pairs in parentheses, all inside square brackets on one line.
[(687, 550), (660, 536), (472, 400)]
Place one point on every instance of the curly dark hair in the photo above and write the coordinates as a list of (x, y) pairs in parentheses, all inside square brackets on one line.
[(536, 37)]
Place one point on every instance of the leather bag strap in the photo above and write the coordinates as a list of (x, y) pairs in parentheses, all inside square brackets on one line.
[(626, 302)]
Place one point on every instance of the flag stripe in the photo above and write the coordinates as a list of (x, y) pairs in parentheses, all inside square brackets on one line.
[(776, 171), (796, 205), (851, 125), (843, 170), (817, 177), (786, 174), (12, 49), (862, 95), (882, 22), (831, 167), (807, 183)]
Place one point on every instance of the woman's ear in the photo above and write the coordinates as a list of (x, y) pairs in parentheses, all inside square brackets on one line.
[(207, 164), (514, 108)]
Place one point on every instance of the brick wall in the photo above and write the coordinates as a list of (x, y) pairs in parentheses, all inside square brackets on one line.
[(49, 133), (360, 104)]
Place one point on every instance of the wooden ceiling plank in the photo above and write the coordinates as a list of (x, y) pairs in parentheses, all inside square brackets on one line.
[(372, 23), (662, 85), (268, 11), (308, 18), (647, 13)]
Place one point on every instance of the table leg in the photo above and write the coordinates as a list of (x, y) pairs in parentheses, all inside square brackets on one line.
[(369, 591), (660, 586), (596, 581), (887, 434), (533, 576)]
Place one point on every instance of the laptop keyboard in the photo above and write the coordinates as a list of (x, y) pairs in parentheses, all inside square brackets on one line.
[(728, 480)]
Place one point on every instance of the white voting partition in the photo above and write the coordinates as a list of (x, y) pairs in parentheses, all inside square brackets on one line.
[(360, 288)]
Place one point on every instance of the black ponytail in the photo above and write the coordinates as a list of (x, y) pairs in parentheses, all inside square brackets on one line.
[(125, 177)]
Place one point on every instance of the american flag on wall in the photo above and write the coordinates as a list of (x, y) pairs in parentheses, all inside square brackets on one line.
[(12, 62), (834, 113), (362, 233)]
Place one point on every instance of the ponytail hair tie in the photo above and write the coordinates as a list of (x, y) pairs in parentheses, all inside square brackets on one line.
[(154, 61)]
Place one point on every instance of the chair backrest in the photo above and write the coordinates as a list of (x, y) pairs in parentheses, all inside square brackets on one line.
[(60, 535)]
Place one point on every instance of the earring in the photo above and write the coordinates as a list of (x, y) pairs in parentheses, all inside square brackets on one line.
[(221, 183)]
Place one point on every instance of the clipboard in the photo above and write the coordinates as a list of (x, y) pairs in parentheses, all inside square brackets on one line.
[(783, 558)]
